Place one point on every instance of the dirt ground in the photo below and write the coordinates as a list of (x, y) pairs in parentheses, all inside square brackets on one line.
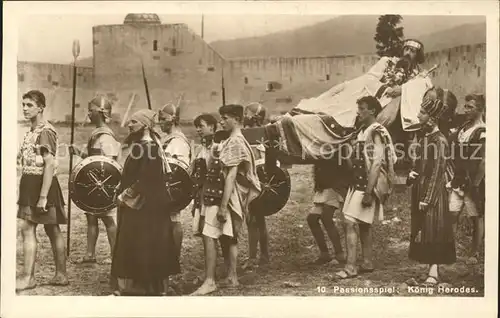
[(292, 247)]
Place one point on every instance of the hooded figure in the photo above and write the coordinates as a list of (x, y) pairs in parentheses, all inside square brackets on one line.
[(144, 255)]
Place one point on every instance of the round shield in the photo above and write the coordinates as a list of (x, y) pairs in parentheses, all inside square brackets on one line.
[(93, 184), (275, 191), (178, 185)]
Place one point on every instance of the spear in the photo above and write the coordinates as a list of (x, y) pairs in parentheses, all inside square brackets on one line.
[(223, 88), (76, 52), (146, 85)]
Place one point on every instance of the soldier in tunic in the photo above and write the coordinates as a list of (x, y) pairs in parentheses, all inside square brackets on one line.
[(40, 198), (102, 142), (431, 240), (255, 114), (231, 185), (372, 162), (467, 189), (175, 145), (330, 189), (145, 254)]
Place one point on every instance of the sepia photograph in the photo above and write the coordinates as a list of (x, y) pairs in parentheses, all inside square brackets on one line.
[(176, 153)]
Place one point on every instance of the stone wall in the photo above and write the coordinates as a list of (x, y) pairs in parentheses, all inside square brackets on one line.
[(461, 69), (176, 60)]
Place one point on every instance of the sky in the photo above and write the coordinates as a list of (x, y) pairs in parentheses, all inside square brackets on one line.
[(49, 38)]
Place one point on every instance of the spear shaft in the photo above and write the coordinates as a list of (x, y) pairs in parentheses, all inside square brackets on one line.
[(76, 52), (146, 85)]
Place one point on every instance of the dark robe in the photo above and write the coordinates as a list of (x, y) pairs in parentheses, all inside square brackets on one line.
[(432, 240), (144, 250)]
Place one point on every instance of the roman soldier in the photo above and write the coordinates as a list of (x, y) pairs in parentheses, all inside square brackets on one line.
[(467, 189), (102, 142), (372, 163), (254, 116), (177, 146), (206, 126), (232, 184), (40, 197)]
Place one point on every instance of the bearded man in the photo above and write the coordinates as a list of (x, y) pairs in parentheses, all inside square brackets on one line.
[(145, 255)]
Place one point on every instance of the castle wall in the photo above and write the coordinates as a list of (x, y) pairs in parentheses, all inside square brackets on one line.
[(176, 60), (56, 82), (461, 69)]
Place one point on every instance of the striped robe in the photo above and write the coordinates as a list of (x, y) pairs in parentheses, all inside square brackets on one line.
[(432, 240)]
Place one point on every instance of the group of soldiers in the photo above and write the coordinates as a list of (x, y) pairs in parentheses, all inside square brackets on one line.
[(146, 241)]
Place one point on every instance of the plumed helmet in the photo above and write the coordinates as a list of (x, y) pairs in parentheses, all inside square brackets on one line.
[(170, 112), (103, 103), (255, 112)]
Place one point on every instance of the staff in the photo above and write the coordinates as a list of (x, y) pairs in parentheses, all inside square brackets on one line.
[(146, 85), (76, 52), (223, 89)]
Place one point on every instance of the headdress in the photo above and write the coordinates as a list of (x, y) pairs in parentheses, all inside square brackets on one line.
[(145, 117), (434, 106), (419, 46), (413, 43)]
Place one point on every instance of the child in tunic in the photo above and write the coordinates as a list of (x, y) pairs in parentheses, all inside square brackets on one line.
[(206, 126), (432, 240), (330, 186), (40, 197), (255, 114), (467, 189), (226, 204), (372, 164)]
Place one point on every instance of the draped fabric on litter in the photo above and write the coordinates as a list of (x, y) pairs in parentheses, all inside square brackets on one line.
[(340, 101), (308, 136)]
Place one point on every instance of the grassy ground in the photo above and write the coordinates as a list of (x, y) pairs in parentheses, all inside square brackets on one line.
[(291, 246)]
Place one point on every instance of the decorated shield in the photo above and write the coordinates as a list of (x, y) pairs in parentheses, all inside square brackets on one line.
[(275, 186), (93, 184), (178, 185)]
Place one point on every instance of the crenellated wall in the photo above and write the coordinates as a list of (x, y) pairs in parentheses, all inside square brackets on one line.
[(461, 69), (176, 60)]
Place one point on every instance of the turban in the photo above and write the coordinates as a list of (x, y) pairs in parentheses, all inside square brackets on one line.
[(145, 117), (435, 106), (103, 103)]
